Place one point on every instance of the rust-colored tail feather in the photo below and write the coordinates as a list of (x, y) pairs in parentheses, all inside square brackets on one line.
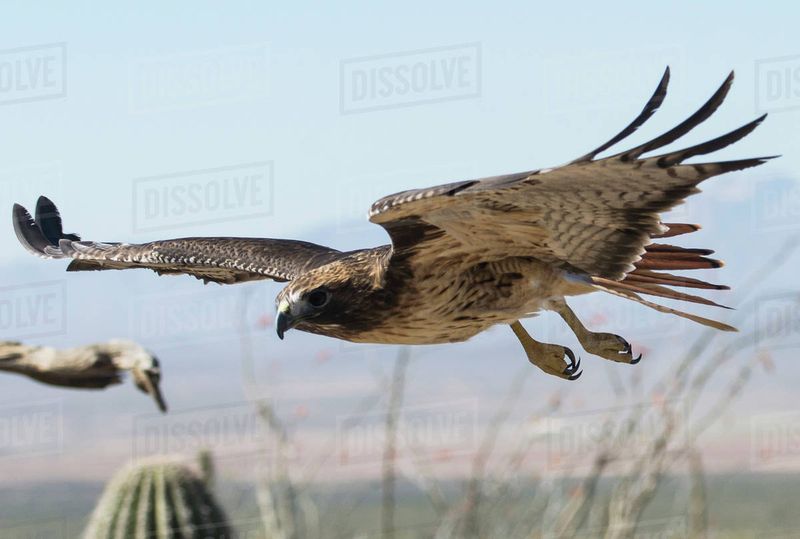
[(674, 251), (655, 290), (627, 294), (655, 263), (643, 276), (676, 229), (662, 256)]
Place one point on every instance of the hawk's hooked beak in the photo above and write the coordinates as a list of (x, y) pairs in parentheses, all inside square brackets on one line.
[(291, 314), (284, 319)]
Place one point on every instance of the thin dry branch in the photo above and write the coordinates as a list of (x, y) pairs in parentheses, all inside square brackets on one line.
[(390, 442), (698, 505), (474, 489)]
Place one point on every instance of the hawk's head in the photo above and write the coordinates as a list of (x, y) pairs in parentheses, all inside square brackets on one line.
[(328, 300)]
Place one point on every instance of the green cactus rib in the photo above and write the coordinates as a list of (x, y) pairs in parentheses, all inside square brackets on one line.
[(157, 499)]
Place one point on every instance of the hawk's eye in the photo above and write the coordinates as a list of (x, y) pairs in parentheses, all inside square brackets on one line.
[(318, 298)]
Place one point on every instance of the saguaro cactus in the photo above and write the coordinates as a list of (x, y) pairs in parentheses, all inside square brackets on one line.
[(157, 499)]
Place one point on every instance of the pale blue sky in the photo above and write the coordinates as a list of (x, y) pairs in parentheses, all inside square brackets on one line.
[(555, 80)]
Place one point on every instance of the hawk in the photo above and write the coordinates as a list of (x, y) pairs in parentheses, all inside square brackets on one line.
[(468, 255), (96, 366)]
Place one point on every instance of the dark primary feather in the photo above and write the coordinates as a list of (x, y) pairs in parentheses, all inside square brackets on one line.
[(49, 222), (700, 116), (673, 158), (650, 107), (222, 260)]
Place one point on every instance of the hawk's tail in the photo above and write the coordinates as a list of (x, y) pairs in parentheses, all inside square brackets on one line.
[(649, 278), (628, 294)]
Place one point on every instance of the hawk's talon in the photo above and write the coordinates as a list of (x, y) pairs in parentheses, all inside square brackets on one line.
[(573, 370), (605, 345), (573, 366), (569, 353), (549, 357), (627, 352), (609, 346), (551, 353)]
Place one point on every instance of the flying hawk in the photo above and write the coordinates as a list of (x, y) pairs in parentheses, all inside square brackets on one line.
[(96, 366), (467, 255)]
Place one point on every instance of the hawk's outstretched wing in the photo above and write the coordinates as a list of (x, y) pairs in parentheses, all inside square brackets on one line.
[(595, 217), (221, 260)]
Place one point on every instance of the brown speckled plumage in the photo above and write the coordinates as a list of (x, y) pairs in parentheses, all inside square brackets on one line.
[(465, 255)]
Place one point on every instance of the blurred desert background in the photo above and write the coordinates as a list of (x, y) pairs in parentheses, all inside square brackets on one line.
[(275, 119)]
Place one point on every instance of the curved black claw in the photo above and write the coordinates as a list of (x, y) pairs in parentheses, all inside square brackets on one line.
[(629, 352), (572, 371)]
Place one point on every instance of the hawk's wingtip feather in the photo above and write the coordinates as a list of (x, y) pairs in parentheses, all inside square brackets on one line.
[(647, 111), (27, 231)]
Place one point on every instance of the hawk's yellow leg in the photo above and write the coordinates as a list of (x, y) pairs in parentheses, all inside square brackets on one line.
[(605, 345), (548, 357)]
